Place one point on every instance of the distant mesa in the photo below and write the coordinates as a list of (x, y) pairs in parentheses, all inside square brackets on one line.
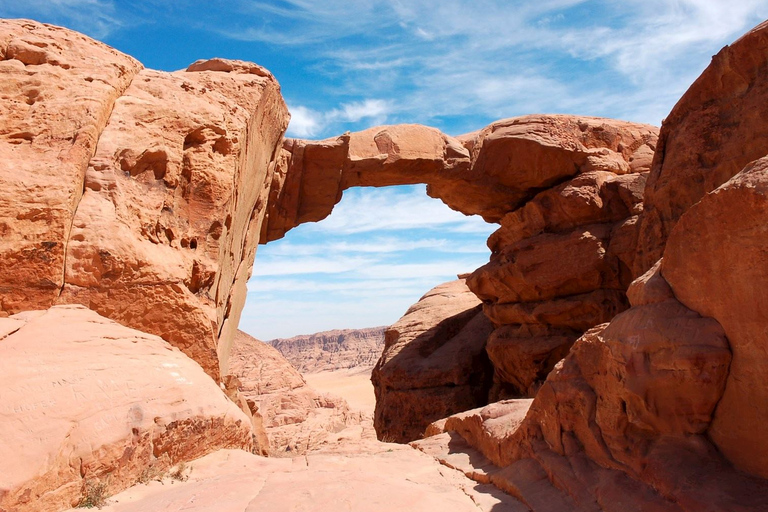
[(333, 350)]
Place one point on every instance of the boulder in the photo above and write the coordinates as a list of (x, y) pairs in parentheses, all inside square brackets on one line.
[(715, 264), (164, 237), (86, 401), (434, 363), (714, 130)]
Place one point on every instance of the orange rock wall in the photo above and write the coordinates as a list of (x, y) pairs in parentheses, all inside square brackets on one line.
[(137, 193)]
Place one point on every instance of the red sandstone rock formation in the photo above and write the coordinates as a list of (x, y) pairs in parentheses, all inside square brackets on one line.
[(84, 399), (137, 193), (297, 418), (434, 363), (562, 258), (333, 350), (567, 191), (716, 128), (58, 90)]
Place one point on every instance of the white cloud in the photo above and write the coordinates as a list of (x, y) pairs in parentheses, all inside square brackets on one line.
[(97, 18), (488, 59), (368, 109), (304, 122), (389, 209), (307, 123)]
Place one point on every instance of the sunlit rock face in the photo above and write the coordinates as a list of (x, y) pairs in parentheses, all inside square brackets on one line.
[(137, 193), (86, 400), (661, 408), (566, 190)]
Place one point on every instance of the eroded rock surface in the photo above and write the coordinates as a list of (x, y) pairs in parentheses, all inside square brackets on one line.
[(391, 478), (87, 400), (563, 257), (333, 350), (165, 234), (137, 193), (434, 363), (716, 128), (58, 88), (297, 418), (509, 162), (715, 264)]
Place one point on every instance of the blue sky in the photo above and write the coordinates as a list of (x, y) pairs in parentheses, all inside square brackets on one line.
[(453, 64)]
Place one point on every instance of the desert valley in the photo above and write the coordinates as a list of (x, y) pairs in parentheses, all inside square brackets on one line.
[(610, 356)]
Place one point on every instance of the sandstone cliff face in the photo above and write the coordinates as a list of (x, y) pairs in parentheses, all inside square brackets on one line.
[(58, 89), (143, 192), (87, 400), (296, 417), (660, 408), (333, 350), (562, 258)]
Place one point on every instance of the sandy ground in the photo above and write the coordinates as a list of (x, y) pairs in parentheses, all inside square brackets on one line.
[(353, 385)]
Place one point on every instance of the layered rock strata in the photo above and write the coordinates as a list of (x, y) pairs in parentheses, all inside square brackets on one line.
[(140, 193), (563, 256), (333, 350), (86, 401), (297, 418), (566, 190)]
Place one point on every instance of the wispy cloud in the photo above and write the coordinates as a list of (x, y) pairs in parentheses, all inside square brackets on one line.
[(306, 122), (377, 253), (488, 59), (97, 18), (387, 209)]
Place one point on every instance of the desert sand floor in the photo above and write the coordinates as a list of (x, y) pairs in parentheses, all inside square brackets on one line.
[(353, 385)]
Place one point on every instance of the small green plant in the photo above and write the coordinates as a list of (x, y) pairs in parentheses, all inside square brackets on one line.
[(94, 493)]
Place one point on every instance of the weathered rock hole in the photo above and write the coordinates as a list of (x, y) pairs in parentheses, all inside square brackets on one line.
[(215, 230), (194, 138), (222, 146), (154, 160), (20, 137), (193, 244)]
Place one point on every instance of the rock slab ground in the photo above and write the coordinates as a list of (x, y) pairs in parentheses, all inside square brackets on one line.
[(394, 478)]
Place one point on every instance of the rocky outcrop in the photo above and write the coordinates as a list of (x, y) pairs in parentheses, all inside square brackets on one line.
[(333, 350), (566, 190), (716, 129), (58, 90), (666, 399), (563, 255), (715, 264), (492, 173), (87, 401), (434, 363), (296, 417), (141, 194)]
